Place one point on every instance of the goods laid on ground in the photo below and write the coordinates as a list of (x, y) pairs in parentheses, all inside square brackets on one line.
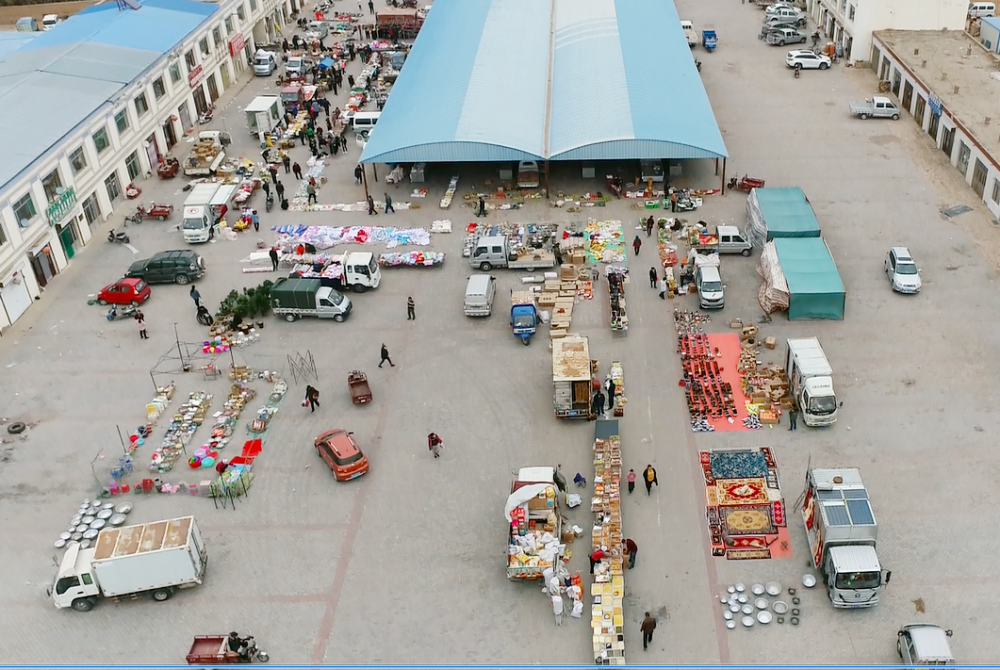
[(617, 279), (605, 242), (449, 193), (185, 422), (164, 394), (617, 375), (411, 259), (608, 590), (327, 237)]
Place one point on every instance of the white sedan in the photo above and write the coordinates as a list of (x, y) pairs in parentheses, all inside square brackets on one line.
[(807, 60)]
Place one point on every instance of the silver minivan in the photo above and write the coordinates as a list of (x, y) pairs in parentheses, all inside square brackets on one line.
[(711, 293), (479, 294)]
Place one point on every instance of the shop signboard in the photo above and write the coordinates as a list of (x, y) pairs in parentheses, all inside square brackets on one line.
[(61, 206), (236, 44), (935, 104), (195, 77)]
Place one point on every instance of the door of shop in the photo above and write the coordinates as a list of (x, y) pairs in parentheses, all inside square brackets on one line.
[(932, 128), (907, 95), (224, 73), (68, 238), (979, 178), (43, 265), (185, 117), (200, 104), (947, 140), (213, 88), (918, 111), (168, 133), (152, 151), (16, 299)]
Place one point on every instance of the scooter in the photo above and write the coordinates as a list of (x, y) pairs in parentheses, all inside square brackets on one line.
[(207, 116), (126, 312), (118, 238), (251, 652), (268, 202)]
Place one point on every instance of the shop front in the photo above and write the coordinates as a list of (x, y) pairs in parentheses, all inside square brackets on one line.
[(43, 263), (14, 295)]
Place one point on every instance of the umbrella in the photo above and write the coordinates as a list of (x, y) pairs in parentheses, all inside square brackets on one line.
[(326, 63)]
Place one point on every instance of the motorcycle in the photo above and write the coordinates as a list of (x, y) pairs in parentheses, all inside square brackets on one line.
[(268, 202), (207, 116), (118, 238), (126, 312), (252, 652)]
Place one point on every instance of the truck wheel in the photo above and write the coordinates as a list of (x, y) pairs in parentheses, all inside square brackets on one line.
[(161, 595), (745, 253), (181, 279), (359, 288), (290, 318), (83, 604), (485, 267), (339, 318), (862, 116), (895, 117)]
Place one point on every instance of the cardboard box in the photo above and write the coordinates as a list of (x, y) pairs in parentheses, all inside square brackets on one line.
[(770, 341), (736, 323), (567, 272)]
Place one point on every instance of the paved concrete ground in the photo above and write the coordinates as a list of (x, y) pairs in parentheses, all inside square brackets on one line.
[(405, 564)]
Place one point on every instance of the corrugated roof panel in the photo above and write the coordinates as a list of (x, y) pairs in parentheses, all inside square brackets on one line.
[(102, 62), (446, 152)]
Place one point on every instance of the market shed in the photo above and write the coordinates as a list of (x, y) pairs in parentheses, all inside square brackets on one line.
[(775, 213), (565, 80), (815, 290)]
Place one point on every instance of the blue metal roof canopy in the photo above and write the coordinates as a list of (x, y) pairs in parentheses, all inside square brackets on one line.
[(499, 80)]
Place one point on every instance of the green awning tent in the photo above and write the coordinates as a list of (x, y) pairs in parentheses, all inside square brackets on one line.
[(815, 289), (776, 213)]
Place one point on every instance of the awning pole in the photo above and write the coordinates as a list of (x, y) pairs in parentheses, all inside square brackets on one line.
[(548, 191), (364, 179), (723, 175)]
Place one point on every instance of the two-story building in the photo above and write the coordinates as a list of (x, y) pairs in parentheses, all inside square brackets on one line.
[(850, 23), (94, 105)]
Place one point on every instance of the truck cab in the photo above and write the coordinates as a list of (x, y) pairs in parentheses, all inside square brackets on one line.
[(491, 251), (361, 271), (811, 379), (923, 644), (74, 581), (689, 33)]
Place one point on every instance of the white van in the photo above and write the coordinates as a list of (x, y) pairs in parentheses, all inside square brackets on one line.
[(479, 294), (363, 122), (710, 289), (50, 21), (980, 9), (264, 63)]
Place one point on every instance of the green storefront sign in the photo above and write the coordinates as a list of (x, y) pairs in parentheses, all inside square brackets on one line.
[(58, 210)]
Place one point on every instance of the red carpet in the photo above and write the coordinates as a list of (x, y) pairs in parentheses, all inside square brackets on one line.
[(728, 345)]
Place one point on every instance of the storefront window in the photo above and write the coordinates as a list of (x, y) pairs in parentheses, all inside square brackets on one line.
[(850, 12), (175, 72), (114, 186), (132, 165), (3, 236), (24, 211), (141, 106), (159, 90), (92, 210), (52, 185), (78, 160), (964, 153), (101, 140)]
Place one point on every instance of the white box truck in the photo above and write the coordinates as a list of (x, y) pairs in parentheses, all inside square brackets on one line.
[(264, 113), (205, 205), (811, 381), (571, 377), (842, 533), (150, 558)]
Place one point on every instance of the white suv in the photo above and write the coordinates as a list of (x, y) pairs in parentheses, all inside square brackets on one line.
[(904, 276), (803, 59)]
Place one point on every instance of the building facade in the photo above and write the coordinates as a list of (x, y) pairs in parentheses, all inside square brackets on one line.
[(850, 23), (942, 80), (53, 202)]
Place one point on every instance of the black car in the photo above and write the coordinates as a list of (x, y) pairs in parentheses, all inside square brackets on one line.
[(177, 266)]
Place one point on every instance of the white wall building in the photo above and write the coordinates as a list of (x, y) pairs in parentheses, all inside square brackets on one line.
[(850, 23), (943, 80), (92, 106)]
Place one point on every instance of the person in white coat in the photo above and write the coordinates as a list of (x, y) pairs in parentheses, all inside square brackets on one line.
[(557, 608)]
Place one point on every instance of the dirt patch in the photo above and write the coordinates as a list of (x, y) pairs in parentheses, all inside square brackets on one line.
[(10, 15)]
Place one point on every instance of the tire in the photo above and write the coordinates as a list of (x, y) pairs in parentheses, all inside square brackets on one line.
[(781, 43), (525, 341), (862, 116), (134, 303), (745, 253), (182, 279), (162, 218), (291, 318), (485, 267), (102, 301), (161, 595), (802, 41), (798, 66), (823, 66), (895, 117), (83, 604), (16, 428), (339, 318), (359, 288)]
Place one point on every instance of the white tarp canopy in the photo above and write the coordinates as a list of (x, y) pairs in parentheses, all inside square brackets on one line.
[(773, 293), (520, 497)]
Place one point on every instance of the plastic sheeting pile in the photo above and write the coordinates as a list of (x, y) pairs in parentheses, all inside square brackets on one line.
[(326, 237), (773, 293)]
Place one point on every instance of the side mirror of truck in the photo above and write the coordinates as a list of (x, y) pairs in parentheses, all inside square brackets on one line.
[(888, 577)]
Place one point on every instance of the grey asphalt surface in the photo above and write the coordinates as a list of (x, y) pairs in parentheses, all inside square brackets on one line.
[(405, 565)]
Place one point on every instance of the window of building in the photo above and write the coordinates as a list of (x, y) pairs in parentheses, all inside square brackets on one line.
[(175, 72), (241, 12), (229, 25), (850, 12), (203, 46), (121, 120), (92, 210), (52, 185), (101, 141), (141, 106), (253, 6), (843, 6), (114, 186), (217, 36), (159, 90), (24, 210), (189, 59), (132, 165), (78, 160), (3, 237), (964, 153)]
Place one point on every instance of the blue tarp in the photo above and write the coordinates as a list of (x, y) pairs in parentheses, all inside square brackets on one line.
[(326, 63)]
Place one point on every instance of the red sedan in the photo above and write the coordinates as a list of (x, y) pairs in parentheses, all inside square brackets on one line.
[(128, 291), (342, 454)]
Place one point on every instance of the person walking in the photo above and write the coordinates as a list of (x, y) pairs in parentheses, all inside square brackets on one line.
[(636, 245), (597, 404), (410, 313), (652, 277), (273, 171), (371, 206), (255, 220), (280, 189), (793, 418), (434, 443), (371, 7), (311, 193), (297, 170), (647, 627), (273, 253), (385, 357), (266, 187), (312, 398), (557, 607), (357, 175), (350, 80), (388, 204), (482, 207), (630, 478), (140, 321), (287, 162), (663, 289), (612, 392), (673, 201), (596, 556), (343, 143), (649, 226), (649, 476), (196, 297), (631, 550)]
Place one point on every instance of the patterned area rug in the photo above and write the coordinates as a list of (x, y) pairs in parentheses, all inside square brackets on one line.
[(738, 464), (747, 520), (752, 491), (747, 554)]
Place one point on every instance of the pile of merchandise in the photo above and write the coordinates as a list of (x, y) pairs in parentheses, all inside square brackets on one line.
[(449, 193), (617, 376), (605, 242), (706, 393), (608, 590), (617, 279), (533, 545), (164, 394), (411, 259), (182, 427), (327, 237)]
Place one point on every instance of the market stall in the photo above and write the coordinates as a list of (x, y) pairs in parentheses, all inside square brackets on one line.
[(608, 590), (617, 279), (327, 237), (774, 213), (815, 289), (617, 376)]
